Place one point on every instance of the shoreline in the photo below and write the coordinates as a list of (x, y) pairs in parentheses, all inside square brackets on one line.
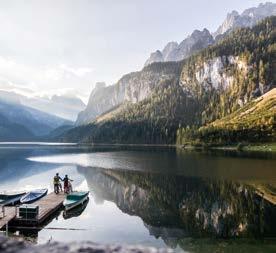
[(251, 147), (240, 147)]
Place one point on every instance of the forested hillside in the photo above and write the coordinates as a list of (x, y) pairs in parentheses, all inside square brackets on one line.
[(211, 84), (133, 87), (254, 122), (239, 68)]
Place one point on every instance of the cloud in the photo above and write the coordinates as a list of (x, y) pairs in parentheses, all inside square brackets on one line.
[(32, 80), (80, 72), (9, 86), (62, 71)]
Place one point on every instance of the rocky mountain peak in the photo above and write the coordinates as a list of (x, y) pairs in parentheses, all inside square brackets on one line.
[(168, 49), (100, 85), (197, 34), (177, 52), (156, 56), (248, 18), (201, 39), (232, 14), (263, 10)]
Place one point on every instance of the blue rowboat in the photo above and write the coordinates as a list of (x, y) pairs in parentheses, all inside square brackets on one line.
[(34, 195), (10, 199), (75, 199)]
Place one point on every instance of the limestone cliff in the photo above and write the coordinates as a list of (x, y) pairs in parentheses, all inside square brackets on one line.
[(133, 87)]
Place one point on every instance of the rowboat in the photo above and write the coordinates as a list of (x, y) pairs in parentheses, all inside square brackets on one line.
[(75, 199), (10, 199), (75, 212), (33, 196)]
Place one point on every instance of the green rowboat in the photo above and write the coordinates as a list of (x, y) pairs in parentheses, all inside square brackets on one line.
[(75, 199)]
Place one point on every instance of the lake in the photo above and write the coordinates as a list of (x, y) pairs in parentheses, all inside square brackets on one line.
[(164, 197)]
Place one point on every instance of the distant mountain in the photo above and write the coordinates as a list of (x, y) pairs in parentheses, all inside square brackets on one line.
[(136, 86), (99, 101), (155, 104), (173, 52), (10, 131), (26, 123), (156, 56), (248, 18), (58, 132), (202, 39), (133, 87), (66, 107)]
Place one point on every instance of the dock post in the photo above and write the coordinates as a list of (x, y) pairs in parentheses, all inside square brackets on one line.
[(3, 210), (7, 229)]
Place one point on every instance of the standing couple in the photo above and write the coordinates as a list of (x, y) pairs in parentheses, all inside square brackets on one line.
[(67, 186)]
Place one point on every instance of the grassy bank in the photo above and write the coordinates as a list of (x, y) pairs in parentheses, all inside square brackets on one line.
[(267, 147), (260, 147)]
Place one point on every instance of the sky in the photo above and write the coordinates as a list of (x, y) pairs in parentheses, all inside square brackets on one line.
[(65, 46)]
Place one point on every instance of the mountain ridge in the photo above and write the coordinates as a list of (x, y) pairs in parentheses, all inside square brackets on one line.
[(62, 106), (202, 39), (144, 86), (176, 52), (207, 86), (25, 122)]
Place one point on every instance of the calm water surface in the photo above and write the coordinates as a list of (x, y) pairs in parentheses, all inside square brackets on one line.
[(189, 201)]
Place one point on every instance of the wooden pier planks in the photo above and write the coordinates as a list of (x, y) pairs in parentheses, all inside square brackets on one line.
[(47, 206), (9, 214)]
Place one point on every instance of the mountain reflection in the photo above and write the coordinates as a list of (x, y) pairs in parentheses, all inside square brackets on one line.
[(184, 199), (173, 207)]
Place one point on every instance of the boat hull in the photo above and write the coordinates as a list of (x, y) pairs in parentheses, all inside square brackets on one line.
[(33, 196), (10, 199), (76, 211), (71, 204)]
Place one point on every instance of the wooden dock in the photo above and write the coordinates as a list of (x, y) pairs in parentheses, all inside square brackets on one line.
[(6, 215), (48, 205)]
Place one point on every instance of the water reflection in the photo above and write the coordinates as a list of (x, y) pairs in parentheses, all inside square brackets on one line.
[(162, 197), (197, 206), (77, 211)]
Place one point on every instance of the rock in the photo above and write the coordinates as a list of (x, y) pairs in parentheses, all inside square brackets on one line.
[(155, 57), (170, 47), (196, 41), (201, 39), (19, 246), (248, 18), (212, 74), (173, 52), (133, 88)]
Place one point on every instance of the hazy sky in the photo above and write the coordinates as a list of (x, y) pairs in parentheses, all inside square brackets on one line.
[(65, 46)]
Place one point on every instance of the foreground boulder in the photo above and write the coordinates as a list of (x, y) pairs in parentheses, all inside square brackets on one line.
[(19, 246)]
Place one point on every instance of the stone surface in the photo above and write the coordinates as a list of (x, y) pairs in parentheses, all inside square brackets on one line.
[(19, 246)]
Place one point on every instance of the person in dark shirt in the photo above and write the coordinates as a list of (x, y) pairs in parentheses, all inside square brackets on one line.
[(67, 184)]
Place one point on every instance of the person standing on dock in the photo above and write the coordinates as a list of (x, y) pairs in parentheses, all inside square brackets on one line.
[(67, 185), (57, 184)]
